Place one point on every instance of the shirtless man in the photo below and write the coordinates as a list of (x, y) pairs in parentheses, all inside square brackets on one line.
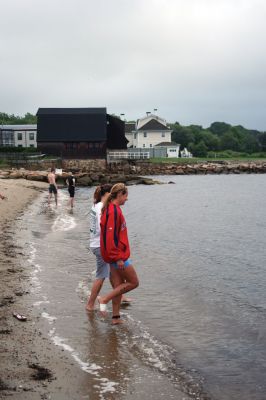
[(52, 186)]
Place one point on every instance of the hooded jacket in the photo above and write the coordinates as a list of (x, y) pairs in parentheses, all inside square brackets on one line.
[(114, 240)]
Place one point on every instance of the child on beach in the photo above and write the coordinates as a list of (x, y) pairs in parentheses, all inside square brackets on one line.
[(102, 268), (115, 250)]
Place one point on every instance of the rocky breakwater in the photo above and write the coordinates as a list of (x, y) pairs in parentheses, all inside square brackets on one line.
[(223, 167), (82, 178)]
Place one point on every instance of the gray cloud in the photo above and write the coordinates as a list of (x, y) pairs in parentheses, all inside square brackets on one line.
[(197, 61)]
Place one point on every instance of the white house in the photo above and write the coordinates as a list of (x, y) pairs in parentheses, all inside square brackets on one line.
[(18, 135), (170, 149), (149, 131)]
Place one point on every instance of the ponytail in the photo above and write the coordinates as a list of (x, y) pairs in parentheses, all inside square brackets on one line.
[(117, 188), (100, 192)]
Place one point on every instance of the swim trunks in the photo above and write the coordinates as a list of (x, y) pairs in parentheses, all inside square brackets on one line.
[(52, 189)]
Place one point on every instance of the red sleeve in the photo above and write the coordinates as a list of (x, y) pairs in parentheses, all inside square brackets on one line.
[(114, 242)]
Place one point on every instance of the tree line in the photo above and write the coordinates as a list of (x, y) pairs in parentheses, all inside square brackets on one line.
[(220, 137), (11, 119)]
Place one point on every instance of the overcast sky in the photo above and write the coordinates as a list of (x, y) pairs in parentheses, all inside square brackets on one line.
[(196, 61)]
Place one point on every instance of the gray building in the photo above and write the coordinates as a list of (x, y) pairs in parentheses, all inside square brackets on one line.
[(18, 135)]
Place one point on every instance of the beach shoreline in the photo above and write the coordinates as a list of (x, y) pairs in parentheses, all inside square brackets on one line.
[(31, 366)]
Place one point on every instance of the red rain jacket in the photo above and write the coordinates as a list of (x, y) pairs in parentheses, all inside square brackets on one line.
[(114, 240)]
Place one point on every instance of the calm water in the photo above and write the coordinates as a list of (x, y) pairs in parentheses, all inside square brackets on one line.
[(197, 326)]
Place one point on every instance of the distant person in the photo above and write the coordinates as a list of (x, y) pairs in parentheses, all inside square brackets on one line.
[(2, 197), (102, 268), (115, 250), (52, 185), (71, 183)]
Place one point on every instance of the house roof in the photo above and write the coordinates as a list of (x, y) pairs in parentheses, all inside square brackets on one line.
[(25, 127), (129, 127), (69, 111), (154, 125), (71, 124), (167, 144), (143, 121)]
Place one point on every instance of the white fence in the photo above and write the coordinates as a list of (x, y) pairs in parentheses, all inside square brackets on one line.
[(127, 155)]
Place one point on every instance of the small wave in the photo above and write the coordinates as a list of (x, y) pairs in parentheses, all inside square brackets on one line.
[(83, 291), (64, 223), (164, 359), (38, 303), (105, 385), (49, 317)]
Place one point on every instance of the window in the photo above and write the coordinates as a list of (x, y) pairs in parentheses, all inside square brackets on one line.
[(135, 136), (20, 145), (19, 135), (31, 145), (31, 135), (150, 145), (163, 134), (145, 134), (143, 144)]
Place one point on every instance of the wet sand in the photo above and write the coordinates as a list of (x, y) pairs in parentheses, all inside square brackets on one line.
[(31, 367)]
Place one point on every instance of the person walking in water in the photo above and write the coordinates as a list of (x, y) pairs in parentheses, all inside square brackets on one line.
[(116, 251), (71, 183), (102, 268), (52, 185)]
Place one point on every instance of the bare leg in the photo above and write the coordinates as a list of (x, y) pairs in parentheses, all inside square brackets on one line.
[(55, 197), (116, 280), (95, 290), (129, 282), (125, 299)]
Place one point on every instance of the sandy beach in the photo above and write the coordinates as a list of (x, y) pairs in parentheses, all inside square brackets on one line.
[(31, 367)]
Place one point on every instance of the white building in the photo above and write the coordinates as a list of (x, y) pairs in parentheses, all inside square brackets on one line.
[(171, 149), (185, 153), (149, 131), (18, 135)]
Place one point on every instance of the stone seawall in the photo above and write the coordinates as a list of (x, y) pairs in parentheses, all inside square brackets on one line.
[(95, 172), (200, 168)]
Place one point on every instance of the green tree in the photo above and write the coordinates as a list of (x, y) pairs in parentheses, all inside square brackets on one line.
[(218, 128)]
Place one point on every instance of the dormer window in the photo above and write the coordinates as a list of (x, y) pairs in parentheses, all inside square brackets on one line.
[(163, 134), (145, 134)]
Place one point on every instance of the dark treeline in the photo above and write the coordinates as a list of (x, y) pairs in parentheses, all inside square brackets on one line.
[(11, 119), (219, 137)]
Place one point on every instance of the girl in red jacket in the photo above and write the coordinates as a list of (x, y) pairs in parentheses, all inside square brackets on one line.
[(115, 250)]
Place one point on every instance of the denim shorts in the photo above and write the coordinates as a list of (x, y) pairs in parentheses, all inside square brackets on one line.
[(102, 268), (127, 263)]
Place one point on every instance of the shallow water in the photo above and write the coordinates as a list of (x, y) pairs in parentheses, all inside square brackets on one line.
[(196, 328)]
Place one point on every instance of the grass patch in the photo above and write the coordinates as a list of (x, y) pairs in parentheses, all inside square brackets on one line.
[(196, 160)]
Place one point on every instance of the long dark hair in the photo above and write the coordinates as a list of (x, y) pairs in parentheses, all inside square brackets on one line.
[(100, 191)]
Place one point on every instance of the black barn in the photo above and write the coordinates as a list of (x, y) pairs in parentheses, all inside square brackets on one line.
[(79, 132)]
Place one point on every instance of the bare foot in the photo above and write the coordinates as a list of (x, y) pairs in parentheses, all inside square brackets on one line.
[(103, 307), (117, 321), (126, 300), (89, 308)]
